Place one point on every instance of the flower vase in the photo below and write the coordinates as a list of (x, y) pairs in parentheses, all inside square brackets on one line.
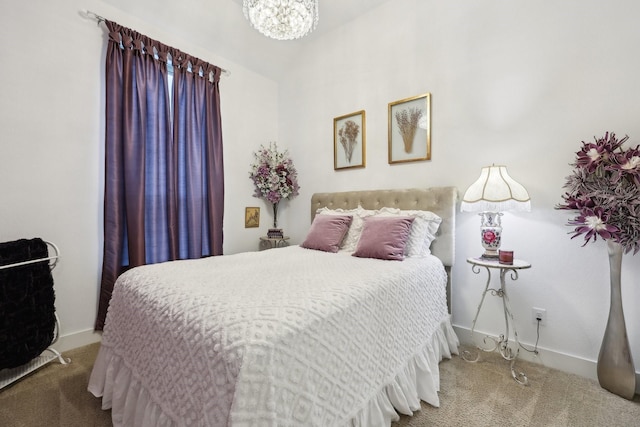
[(275, 232), (616, 372)]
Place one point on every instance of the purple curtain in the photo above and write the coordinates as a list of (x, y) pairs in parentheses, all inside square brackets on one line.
[(164, 173)]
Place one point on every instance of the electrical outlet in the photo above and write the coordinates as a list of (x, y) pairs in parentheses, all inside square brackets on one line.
[(539, 313)]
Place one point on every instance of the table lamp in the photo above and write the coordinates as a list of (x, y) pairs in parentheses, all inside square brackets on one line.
[(493, 193)]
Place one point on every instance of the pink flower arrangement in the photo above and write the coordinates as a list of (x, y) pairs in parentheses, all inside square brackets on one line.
[(604, 189), (273, 175)]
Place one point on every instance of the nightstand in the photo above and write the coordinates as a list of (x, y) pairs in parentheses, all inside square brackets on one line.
[(272, 243), (502, 343)]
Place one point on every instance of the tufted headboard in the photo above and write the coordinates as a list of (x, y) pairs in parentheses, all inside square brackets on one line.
[(439, 200)]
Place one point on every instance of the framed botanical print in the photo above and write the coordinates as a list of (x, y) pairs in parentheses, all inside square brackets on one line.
[(349, 140), (410, 129), (251, 217)]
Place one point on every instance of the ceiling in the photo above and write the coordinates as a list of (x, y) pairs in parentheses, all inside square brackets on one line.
[(220, 27)]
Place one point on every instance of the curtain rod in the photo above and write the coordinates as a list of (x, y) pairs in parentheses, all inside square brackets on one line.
[(99, 19)]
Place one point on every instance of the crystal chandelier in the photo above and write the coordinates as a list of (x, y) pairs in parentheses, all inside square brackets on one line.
[(282, 19)]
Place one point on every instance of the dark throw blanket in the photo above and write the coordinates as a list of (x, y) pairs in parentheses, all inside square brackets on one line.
[(27, 303)]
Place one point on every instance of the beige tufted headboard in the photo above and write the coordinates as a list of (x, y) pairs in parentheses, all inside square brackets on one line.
[(439, 200)]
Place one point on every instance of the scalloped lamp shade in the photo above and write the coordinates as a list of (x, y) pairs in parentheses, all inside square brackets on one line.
[(494, 192)]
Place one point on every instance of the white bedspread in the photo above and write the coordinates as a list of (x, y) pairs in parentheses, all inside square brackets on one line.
[(284, 337)]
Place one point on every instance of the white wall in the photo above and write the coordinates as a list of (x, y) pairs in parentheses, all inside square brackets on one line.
[(518, 83), (52, 156)]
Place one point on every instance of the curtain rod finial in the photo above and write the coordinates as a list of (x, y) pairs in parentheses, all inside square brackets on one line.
[(91, 15)]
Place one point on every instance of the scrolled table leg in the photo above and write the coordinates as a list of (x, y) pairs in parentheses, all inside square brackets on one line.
[(520, 377)]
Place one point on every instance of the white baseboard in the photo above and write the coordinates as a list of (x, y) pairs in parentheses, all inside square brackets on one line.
[(76, 339), (547, 357)]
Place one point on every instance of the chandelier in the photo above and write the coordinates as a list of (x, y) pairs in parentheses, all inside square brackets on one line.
[(282, 19)]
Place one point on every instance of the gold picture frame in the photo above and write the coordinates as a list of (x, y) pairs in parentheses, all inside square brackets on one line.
[(410, 129), (349, 141), (251, 217)]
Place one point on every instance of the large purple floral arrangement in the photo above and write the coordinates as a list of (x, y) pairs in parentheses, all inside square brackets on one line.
[(273, 175), (605, 191)]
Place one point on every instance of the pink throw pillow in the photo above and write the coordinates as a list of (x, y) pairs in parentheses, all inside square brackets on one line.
[(384, 237), (326, 232)]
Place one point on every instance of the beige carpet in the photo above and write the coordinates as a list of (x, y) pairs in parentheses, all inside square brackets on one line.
[(484, 394), (472, 394), (55, 395)]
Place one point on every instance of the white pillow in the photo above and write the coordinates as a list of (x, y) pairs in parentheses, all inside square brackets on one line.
[(350, 241), (423, 230)]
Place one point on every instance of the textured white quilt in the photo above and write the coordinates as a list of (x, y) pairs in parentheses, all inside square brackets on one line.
[(284, 337)]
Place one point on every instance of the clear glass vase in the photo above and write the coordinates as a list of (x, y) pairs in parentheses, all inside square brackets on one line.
[(275, 215)]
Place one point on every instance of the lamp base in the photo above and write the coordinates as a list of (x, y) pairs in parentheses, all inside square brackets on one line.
[(490, 234), (491, 255)]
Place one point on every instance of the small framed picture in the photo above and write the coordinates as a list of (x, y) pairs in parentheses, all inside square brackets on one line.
[(251, 217), (410, 129), (349, 140)]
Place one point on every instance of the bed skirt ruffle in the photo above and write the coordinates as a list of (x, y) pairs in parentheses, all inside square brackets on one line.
[(419, 380), (129, 401), (131, 404)]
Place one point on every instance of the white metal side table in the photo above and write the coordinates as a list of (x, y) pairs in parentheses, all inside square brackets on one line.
[(273, 242), (502, 342)]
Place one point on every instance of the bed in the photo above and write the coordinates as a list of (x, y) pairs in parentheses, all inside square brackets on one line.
[(291, 336)]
